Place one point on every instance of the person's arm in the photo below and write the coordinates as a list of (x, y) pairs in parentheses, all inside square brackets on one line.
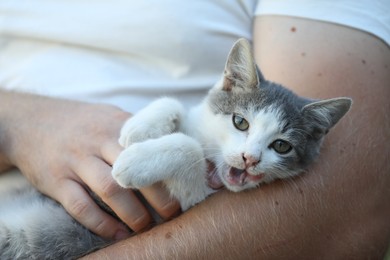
[(339, 209), (64, 147)]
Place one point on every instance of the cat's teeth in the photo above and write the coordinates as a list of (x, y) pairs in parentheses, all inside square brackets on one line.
[(243, 177)]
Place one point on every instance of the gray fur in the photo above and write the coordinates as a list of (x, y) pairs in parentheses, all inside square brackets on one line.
[(47, 231), (306, 121), (41, 229)]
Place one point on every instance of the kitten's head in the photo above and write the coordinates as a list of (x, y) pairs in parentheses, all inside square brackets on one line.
[(262, 130)]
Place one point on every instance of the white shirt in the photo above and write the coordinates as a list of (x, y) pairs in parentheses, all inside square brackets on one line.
[(119, 51), (127, 53)]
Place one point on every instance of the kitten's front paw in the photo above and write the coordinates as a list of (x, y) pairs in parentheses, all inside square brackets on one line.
[(160, 118), (132, 169), (143, 164)]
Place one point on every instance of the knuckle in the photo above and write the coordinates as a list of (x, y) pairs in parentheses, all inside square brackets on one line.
[(109, 188), (169, 209), (77, 207), (101, 227), (141, 222)]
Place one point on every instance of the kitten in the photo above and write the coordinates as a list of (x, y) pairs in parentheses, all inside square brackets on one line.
[(246, 132)]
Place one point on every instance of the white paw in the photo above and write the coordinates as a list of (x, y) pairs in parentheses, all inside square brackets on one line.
[(137, 165), (143, 164), (160, 118), (125, 168)]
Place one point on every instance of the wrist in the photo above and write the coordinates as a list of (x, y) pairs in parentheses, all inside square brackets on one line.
[(17, 112)]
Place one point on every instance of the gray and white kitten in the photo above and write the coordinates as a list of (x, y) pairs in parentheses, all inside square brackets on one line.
[(246, 132)]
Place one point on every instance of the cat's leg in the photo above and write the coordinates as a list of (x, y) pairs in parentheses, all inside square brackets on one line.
[(175, 159), (160, 118), (145, 163)]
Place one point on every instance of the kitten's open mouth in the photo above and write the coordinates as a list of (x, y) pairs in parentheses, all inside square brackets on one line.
[(241, 176), (235, 177)]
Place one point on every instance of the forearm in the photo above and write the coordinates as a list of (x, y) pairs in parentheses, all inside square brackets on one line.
[(256, 224), (323, 213)]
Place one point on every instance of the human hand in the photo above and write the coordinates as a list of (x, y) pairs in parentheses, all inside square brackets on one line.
[(64, 147)]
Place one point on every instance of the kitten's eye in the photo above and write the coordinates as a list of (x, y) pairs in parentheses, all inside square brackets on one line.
[(240, 123), (281, 146)]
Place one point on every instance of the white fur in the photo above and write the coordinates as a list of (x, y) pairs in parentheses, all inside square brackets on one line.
[(179, 160), (173, 158), (160, 118)]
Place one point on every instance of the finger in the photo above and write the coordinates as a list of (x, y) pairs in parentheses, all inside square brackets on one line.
[(97, 175), (160, 199), (110, 151), (79, 205)]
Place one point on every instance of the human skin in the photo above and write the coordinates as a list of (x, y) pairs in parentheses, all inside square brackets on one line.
[(64, 146), (339, 209)]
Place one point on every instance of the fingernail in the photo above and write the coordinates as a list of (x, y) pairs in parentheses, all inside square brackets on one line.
[(121, 234)]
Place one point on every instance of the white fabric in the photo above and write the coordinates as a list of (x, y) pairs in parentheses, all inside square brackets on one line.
[(119, 51), (127, 52), (372, 16)]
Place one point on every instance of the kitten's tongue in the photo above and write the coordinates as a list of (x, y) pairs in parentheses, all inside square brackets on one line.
[(213, 180)]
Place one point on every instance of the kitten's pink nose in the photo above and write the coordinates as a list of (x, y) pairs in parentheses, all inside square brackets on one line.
[(250, 160)]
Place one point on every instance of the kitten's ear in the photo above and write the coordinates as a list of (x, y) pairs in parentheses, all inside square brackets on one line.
[(323, 115), (241, 70)]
